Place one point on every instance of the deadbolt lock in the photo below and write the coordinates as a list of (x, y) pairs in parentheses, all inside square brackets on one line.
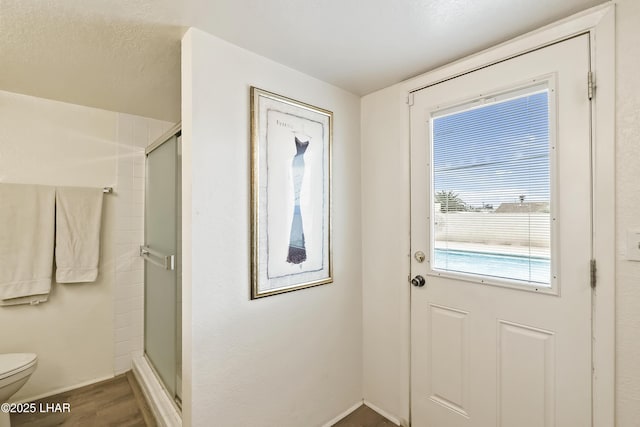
[(420, 256)]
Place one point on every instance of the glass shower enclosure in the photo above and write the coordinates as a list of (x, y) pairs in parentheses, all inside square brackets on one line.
[(162, 267)]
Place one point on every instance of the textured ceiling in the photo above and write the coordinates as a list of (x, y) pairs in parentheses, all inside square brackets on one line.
[(107, 57), (124, 55)]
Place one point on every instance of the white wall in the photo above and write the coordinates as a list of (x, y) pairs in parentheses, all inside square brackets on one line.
[(517, 229), (47, 142), (385, 177), (288, 360), (627, 211), (54, 143), (385, 251)]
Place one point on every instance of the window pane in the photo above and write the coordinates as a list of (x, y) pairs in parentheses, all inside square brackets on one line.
[(491, 187)]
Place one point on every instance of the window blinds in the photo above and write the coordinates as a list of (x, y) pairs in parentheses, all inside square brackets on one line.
[(491, 187)]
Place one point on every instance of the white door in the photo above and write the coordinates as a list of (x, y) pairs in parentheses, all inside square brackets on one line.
[(501, 209)]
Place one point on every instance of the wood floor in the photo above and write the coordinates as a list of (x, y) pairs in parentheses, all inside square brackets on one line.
[(116, 402), (364, 417), (119, 403)]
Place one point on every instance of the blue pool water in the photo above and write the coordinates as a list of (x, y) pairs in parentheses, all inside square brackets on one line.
[(529, 269)]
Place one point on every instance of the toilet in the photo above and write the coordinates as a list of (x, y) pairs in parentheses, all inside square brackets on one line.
[(15, 370)]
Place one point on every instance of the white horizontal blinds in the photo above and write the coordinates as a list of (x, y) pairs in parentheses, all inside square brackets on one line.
[(491, 187)]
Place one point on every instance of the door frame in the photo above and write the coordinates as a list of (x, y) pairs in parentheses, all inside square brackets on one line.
[(599, 23)]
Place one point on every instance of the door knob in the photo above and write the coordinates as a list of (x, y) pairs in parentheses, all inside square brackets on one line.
[(418, 281)]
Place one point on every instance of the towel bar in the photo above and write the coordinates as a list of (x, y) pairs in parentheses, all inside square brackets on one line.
[(168, 262)]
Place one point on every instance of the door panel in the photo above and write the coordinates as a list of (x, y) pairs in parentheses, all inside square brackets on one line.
[(160, 283), (449, 350), (488, 351), (525, 396)]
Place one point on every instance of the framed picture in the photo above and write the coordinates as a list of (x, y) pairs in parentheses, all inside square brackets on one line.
[(290, 194)]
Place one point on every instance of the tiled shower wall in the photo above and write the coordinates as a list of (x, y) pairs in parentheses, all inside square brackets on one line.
[(133, 136)]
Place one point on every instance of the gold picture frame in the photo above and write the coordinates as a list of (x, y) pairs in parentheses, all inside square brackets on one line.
[(291, 150)]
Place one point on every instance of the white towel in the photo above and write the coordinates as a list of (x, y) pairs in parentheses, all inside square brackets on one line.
[(78, 219), (26, 243)]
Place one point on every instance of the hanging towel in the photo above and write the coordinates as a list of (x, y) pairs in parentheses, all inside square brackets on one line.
[(78, 219), (26, 243)]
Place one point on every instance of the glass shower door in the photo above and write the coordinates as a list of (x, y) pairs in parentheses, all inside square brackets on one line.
[(162, 201)]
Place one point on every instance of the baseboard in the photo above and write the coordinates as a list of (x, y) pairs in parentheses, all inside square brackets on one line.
[(64, 389), (344, 414), (382, 412)]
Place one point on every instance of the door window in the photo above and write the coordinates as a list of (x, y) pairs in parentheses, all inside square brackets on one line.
[(491, 187)]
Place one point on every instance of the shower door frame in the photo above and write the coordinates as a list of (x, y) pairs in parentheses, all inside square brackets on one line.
[(175, 398)]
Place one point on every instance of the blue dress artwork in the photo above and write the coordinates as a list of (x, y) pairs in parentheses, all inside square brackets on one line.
[(297, 251)]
